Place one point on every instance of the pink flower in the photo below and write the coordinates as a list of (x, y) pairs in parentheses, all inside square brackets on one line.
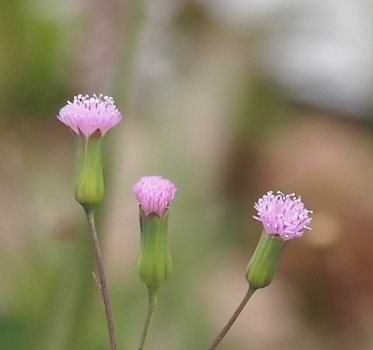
[(88, 115), (154, 194), (282, 215)]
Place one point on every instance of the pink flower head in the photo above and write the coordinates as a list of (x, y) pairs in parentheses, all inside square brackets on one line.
[(154, 194), (282, 215), (87, 115)]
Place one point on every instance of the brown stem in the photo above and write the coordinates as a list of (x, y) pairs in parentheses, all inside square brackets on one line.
[(228, 326), (103, 287)]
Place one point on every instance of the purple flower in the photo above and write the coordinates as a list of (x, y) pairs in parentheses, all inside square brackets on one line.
[(282, 215), (88, 115), (154, 194)]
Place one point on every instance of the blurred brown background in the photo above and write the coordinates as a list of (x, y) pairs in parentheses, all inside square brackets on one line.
[(228, 99)]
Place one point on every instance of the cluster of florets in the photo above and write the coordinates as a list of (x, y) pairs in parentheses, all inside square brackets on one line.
[(282, 215), (154, 194), (90, 115)]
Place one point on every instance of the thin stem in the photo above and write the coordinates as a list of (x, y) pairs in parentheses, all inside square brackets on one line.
[(151, 304), (103, 287), (228, 326)]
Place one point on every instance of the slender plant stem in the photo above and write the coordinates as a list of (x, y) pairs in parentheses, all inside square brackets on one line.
[(152, 302), (228, 326), (101, 274)]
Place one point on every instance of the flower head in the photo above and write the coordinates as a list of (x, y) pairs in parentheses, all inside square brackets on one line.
[(87, 115), (154, 194), (282, 215)]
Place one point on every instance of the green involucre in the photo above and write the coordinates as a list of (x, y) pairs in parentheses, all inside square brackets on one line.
[(89, 179), (262, 266), (154, 264)]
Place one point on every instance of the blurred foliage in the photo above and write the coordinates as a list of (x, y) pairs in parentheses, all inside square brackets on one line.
[(30, 63)]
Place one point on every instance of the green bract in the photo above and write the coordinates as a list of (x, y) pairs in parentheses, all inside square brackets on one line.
[(154, 264), (89, 180), (262, 266)]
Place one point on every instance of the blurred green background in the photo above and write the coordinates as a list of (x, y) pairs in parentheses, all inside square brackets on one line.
[(228, 99)]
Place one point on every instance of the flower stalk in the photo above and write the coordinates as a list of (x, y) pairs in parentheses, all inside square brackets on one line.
[(234, 317), (101, 274), (152, 302)]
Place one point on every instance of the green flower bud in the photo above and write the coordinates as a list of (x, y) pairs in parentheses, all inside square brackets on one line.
[(154, 264)]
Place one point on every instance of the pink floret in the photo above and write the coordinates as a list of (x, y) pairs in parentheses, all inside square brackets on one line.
[(282, 215), (88, 115), (154, 194)]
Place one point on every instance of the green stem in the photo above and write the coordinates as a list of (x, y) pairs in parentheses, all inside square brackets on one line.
[(228, 326), (103, 287), (152, 302)]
